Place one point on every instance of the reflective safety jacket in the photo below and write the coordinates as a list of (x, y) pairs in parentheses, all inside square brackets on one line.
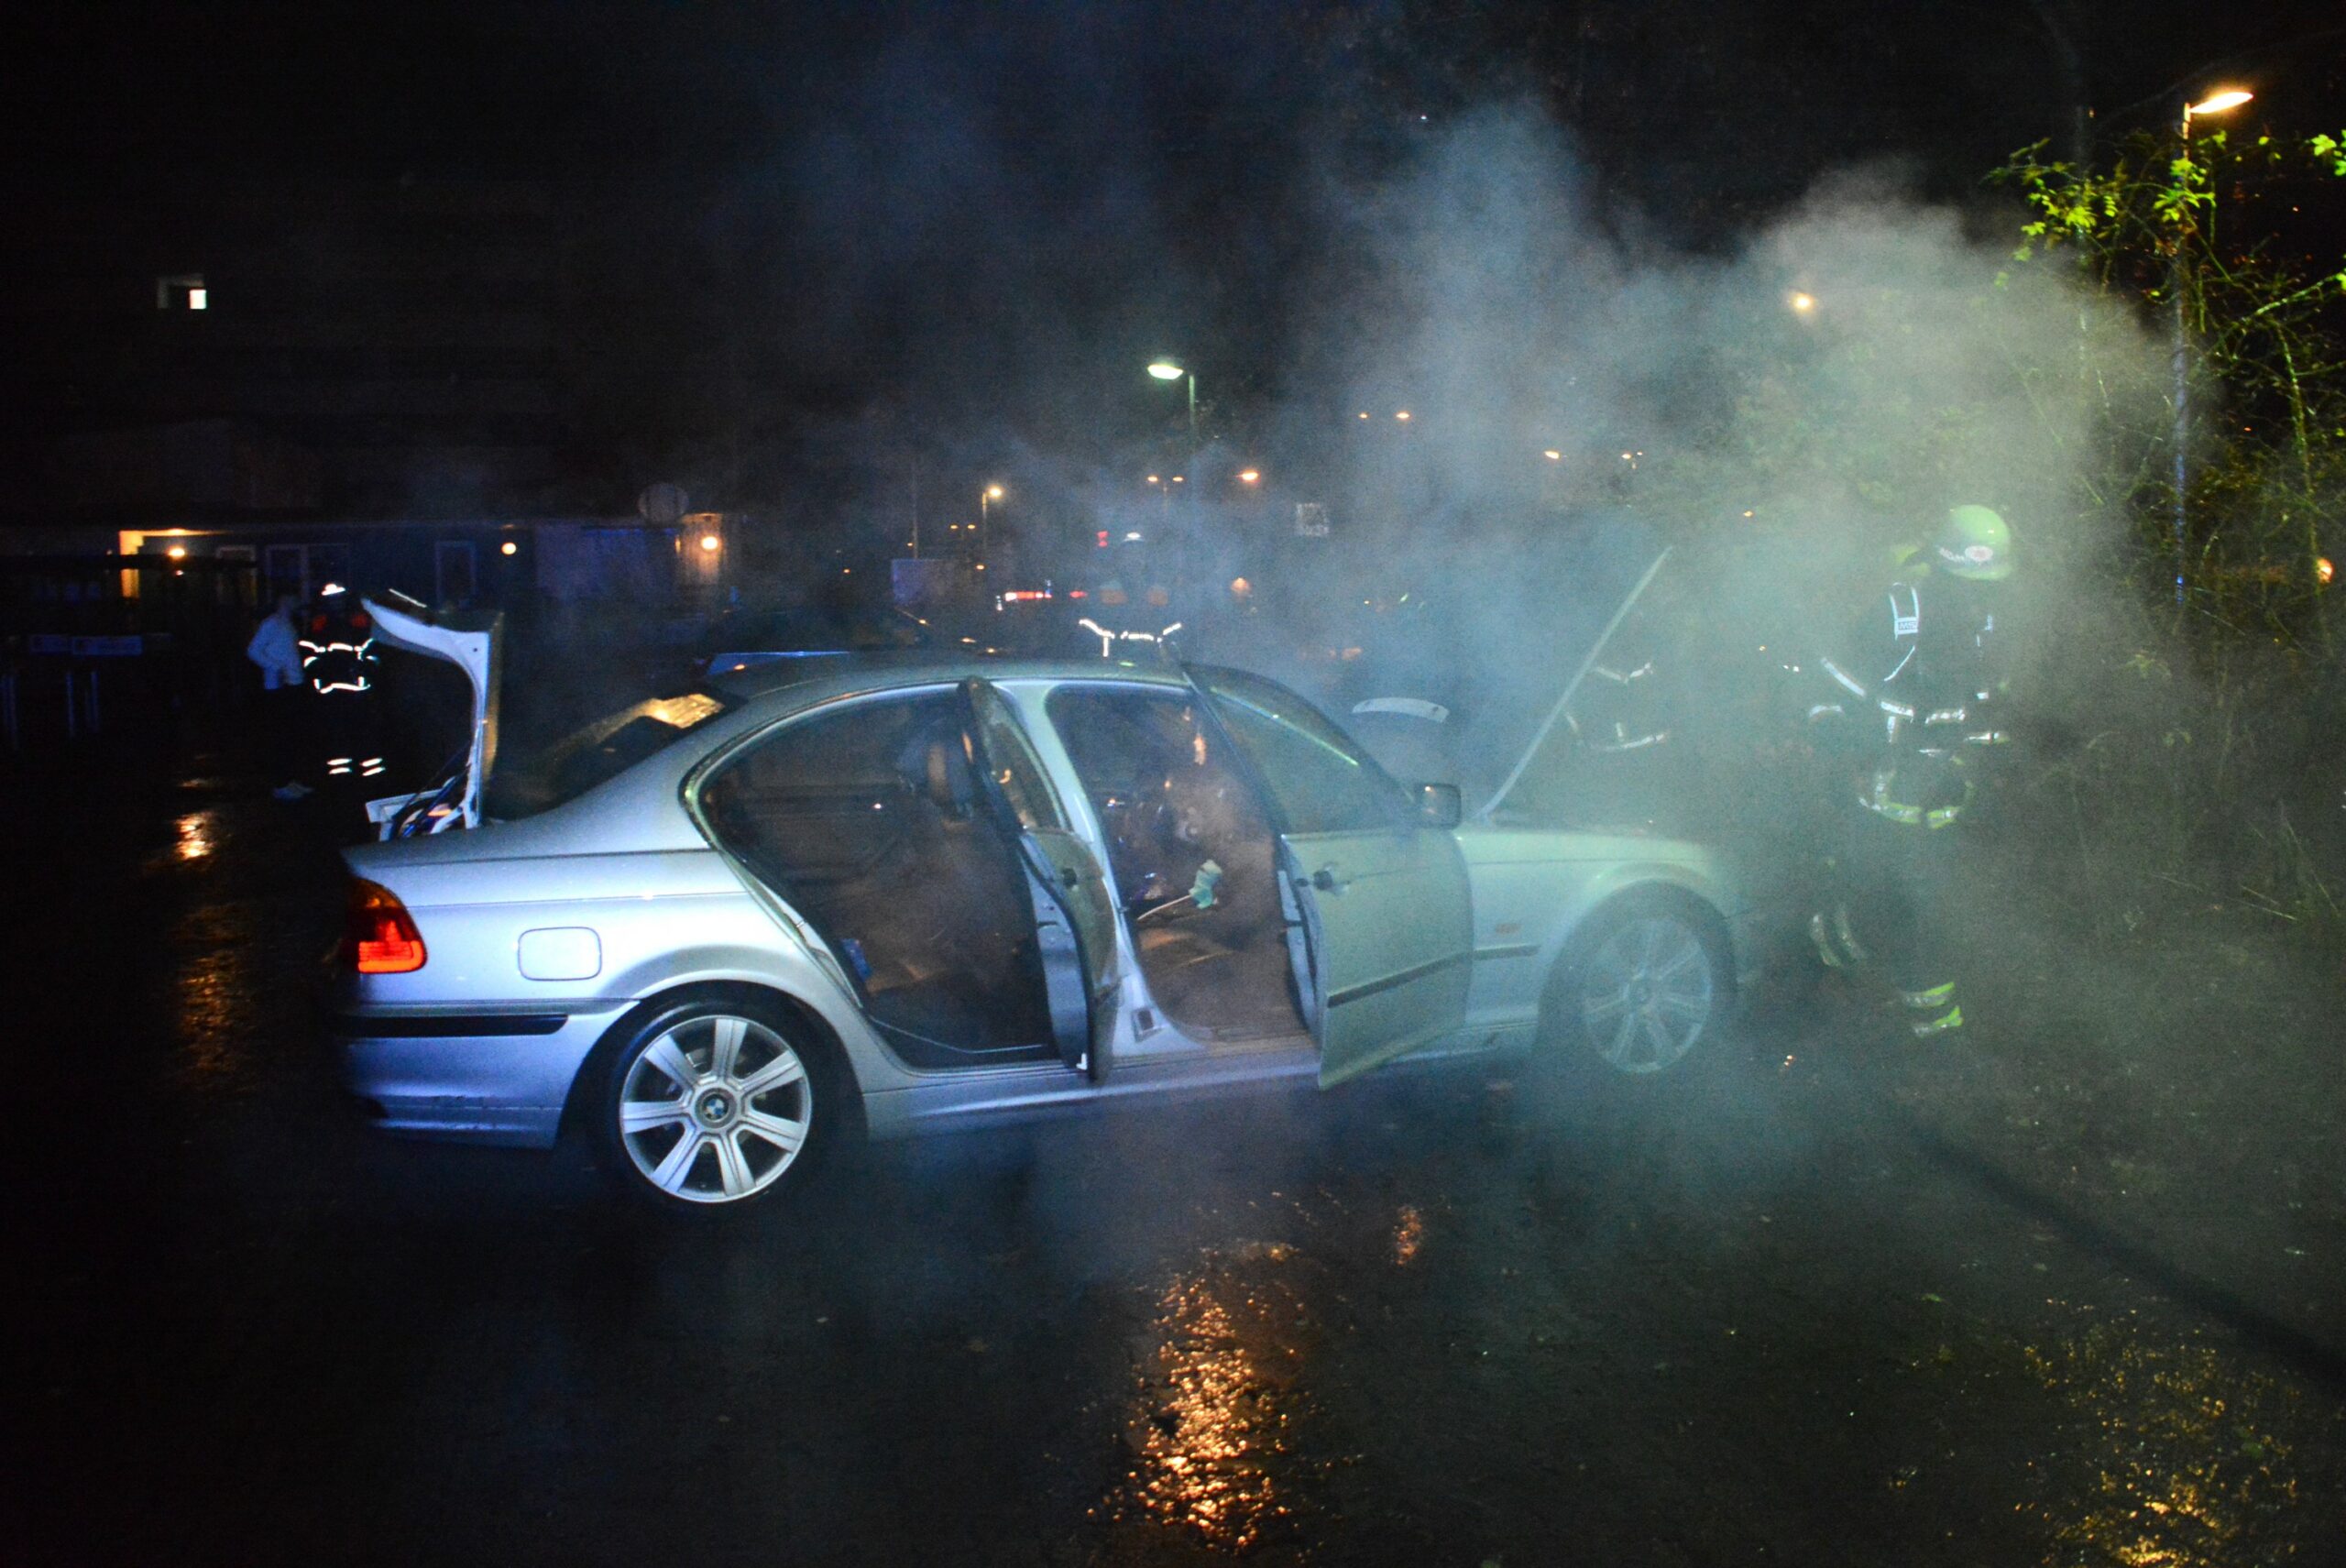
[(1910, 694), (1619, 710), (338, 653)]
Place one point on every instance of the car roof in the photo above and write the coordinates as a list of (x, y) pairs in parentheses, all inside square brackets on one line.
[(828, 675)]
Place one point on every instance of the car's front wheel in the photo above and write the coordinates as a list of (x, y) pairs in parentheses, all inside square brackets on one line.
[(1644, 987), (713, 1102)]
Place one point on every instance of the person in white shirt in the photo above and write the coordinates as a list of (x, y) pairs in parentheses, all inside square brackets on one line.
[(276, 647)]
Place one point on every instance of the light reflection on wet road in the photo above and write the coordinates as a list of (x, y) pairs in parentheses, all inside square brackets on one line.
[(1210, 1425), (1445, 1320), (2178, 1453)]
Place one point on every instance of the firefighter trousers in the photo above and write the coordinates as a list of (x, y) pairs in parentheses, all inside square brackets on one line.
[(1888, 912)]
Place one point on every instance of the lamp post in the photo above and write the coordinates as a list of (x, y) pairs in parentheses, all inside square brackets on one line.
[(2179, 285), (1166, 371), (986, 498)]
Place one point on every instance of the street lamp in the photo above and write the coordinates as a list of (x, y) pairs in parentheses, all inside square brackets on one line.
[(986, 498), (2179, 285), (1166, 371)]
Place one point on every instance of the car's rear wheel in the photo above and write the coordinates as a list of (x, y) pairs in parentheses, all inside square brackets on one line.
[(1644, 988), (715, 1102)]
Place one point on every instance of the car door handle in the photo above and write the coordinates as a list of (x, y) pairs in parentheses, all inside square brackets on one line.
[(1326, 879)]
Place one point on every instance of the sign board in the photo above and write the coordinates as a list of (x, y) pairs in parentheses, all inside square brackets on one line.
[(47, 642), (1310, 520), (108, 647), (923, 581)]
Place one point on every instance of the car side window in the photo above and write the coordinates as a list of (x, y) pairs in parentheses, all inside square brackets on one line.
[(1013, 766), (1323, 781)]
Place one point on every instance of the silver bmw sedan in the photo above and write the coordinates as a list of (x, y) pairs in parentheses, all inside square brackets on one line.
[(714, 931)]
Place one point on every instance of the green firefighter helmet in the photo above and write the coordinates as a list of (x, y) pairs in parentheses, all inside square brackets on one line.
[(1973, 542)]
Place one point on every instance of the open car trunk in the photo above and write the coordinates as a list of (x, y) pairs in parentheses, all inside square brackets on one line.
[(470, 641)]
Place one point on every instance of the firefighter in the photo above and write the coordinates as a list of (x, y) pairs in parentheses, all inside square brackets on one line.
[(1904, 711), (338, 658)]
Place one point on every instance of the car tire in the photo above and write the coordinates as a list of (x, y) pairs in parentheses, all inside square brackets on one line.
[(1647, 986), (715, 1102)]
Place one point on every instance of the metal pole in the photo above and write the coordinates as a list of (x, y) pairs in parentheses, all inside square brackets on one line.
[(2179, 285), (1194, 409)]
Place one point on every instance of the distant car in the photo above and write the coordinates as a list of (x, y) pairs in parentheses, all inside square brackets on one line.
[(717, 930), (744, 639)]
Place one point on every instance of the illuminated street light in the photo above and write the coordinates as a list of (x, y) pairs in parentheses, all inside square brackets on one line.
[(1403, 415), (1802, 304), (708, 542), (1166, 371), (1249, 475), (2217, 103), (986, 498), (509, 548), (2179, 349), (177, 552), (1553, 456)]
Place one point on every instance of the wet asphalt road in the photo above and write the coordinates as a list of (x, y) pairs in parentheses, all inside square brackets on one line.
[(1775, 1316)]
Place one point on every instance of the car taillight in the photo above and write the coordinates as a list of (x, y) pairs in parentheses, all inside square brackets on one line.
[(382, 937)]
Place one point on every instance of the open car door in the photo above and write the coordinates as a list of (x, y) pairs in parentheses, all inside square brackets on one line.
[(1380, 920), (470, 642), (1075, 913)]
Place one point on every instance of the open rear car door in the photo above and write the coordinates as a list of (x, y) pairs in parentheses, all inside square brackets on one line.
[(1075, 913), (469, 641)]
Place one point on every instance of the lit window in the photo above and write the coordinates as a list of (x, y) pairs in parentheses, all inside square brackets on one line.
[(181, 292)]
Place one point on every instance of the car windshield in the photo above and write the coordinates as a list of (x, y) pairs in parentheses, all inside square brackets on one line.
[(544, 776)]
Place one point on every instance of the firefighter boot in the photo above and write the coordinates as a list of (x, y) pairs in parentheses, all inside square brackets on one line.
[(1837, 942), (1933, 1011)]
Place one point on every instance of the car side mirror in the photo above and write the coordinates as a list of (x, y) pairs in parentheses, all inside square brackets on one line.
[(1438, 805)]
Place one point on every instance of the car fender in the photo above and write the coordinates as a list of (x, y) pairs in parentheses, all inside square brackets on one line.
[(1622, 881), (796, 976)]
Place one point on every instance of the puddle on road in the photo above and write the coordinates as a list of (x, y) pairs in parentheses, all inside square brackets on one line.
[(1211, 1427), (1409, 1236), (2187, 1458), (197, 834), (216, 987), (197, 840)]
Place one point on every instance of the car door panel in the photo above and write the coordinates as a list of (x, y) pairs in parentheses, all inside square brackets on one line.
[(1381, 919), (1075, 908), (1389, 925)]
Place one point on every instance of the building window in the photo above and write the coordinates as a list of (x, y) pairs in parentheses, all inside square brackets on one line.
[(181, 292)]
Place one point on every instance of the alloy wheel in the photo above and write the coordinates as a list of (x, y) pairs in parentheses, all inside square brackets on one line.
[(715, 1108), (1646, 993)]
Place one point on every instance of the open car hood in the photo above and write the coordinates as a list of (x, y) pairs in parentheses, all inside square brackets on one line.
[(1473, 698), (470, 640), (1547, 722)]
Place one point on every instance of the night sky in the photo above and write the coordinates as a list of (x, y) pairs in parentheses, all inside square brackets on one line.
[(979, 218)]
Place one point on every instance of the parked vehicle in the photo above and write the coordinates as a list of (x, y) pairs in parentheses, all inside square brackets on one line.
[(718, 929)]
